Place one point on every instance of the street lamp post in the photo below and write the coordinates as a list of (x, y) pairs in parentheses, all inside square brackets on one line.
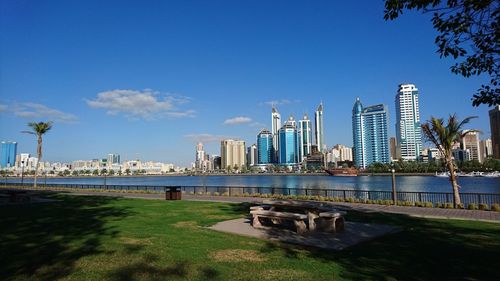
[(394, 195), (22, 173)]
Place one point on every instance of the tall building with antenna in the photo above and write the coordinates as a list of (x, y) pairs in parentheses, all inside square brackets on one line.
[(275, 126)]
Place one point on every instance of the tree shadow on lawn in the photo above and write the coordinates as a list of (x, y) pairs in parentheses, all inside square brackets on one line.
[(43, 241), (148, 269), (424, 250)]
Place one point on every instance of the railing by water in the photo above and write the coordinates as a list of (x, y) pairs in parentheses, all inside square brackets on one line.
[(408, 196)]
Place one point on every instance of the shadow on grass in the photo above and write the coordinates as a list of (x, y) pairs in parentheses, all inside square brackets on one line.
[(148, 269), (425, 250), (43, 241), (237, 209)]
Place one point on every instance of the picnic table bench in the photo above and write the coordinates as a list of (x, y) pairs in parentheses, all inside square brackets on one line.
[(320, 217)]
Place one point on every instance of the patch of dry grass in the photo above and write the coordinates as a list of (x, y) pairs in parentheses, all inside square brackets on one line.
[(237, 255)]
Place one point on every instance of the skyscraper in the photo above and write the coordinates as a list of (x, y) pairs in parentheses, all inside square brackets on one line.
[(470, 142), (275, 126), (288, 143), (8, 154), (305, 137), (264, 147), (408, 130), (232, 154), (495, 130), (200, 156), (370, 137), (318, 128)]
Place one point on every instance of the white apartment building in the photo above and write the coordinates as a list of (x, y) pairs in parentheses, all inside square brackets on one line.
[(408, 130)]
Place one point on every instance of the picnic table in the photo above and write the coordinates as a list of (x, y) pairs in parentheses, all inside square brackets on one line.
[(319, 216)]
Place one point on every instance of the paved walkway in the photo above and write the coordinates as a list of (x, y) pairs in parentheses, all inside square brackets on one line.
[(474, 215), (353, 233)]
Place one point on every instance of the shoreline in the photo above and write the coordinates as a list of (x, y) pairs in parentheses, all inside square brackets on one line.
[(224, 175)]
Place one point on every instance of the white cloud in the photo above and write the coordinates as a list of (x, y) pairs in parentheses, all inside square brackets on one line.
[(33, 110), (146, 104), (207, 138), (237, 120)]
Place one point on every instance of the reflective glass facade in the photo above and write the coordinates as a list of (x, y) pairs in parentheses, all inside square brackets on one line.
[(8, 153)]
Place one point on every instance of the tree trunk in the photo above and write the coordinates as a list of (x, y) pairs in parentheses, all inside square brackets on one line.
[(454, 183), (39, 155)]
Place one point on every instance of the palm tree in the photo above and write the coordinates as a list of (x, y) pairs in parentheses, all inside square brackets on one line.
[(444, 136), (38, 129)]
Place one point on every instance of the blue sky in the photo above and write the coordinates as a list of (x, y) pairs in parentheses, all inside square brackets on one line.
[(148, 79)]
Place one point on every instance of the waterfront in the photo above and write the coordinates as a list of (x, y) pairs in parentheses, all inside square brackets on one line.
[(383, 183)]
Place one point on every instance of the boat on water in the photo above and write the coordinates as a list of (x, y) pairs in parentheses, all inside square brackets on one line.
[(494, 174), (446, 174), (442, 175), (345, 172), (472, 174)]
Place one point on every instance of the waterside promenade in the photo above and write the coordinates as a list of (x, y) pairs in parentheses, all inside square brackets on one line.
[(438, 213)]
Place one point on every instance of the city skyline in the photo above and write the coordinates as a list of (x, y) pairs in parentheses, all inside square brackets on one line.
[(159, 94)]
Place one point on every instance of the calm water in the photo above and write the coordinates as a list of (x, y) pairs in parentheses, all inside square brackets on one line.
[(403, 183)]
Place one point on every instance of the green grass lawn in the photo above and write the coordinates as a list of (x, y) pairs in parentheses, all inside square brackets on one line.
[(103, 238)]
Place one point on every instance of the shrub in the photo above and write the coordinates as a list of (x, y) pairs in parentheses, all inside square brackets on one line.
[(225, 194), (200, 193), (483, 207), (350, 200), (208, 193), (191, 192), (428, 205), (471, 206), (449, 206), (438, 205), (495, 207), (461, 206), (387, 202), (216, 193)]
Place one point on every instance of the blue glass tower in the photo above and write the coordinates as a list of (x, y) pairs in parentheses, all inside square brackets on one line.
[(370, 134), (357, 136), (265, 147), (8, 154), (288, 143)]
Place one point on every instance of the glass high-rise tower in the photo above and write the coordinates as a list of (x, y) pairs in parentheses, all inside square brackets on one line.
[(408, 129), (275, 126), (370, 134), (305, 137), (318, 128), (264, 147), (8, 154), (288, 143)]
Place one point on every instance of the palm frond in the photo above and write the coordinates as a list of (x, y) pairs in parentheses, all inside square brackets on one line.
[(28, 132)]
